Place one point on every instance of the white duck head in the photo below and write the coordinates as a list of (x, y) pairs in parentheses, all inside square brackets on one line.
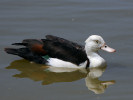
[(92, 45)]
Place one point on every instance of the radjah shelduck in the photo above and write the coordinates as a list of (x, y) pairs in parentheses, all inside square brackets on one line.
[(58, 52)]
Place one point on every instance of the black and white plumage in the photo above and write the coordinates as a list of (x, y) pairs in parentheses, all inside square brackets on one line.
[(59, 52)]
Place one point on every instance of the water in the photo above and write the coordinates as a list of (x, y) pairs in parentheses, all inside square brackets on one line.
[(74, 20)]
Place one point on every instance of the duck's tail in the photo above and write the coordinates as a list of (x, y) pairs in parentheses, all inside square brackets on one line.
[(26, 54), (19, 51), (11, 51)]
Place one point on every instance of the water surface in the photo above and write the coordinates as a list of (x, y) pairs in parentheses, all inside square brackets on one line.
[(74, 20)]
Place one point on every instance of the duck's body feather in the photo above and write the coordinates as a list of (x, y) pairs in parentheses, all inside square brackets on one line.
[(58, 49), (64, 51)]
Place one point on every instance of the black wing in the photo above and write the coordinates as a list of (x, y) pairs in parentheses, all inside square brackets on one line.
[(63, 49)]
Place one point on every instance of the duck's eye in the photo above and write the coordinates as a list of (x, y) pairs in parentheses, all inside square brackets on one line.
[(97, 41)]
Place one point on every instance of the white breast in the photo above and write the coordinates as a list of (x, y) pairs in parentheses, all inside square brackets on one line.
[(97, 61)]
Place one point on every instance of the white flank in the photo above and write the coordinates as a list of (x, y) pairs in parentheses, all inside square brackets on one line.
[(60, 63), (59, 66)]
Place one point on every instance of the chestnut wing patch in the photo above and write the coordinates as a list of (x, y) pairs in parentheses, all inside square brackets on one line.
[(38, 48)]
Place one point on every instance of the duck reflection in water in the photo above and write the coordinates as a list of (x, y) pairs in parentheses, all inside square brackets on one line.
[(49, 75)]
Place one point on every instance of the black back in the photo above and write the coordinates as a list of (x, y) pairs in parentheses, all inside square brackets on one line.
[(63, 49)]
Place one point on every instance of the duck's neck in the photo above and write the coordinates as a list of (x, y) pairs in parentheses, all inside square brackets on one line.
[(95, 59)]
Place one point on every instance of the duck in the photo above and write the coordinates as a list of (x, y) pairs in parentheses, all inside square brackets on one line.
[(59, 52)]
